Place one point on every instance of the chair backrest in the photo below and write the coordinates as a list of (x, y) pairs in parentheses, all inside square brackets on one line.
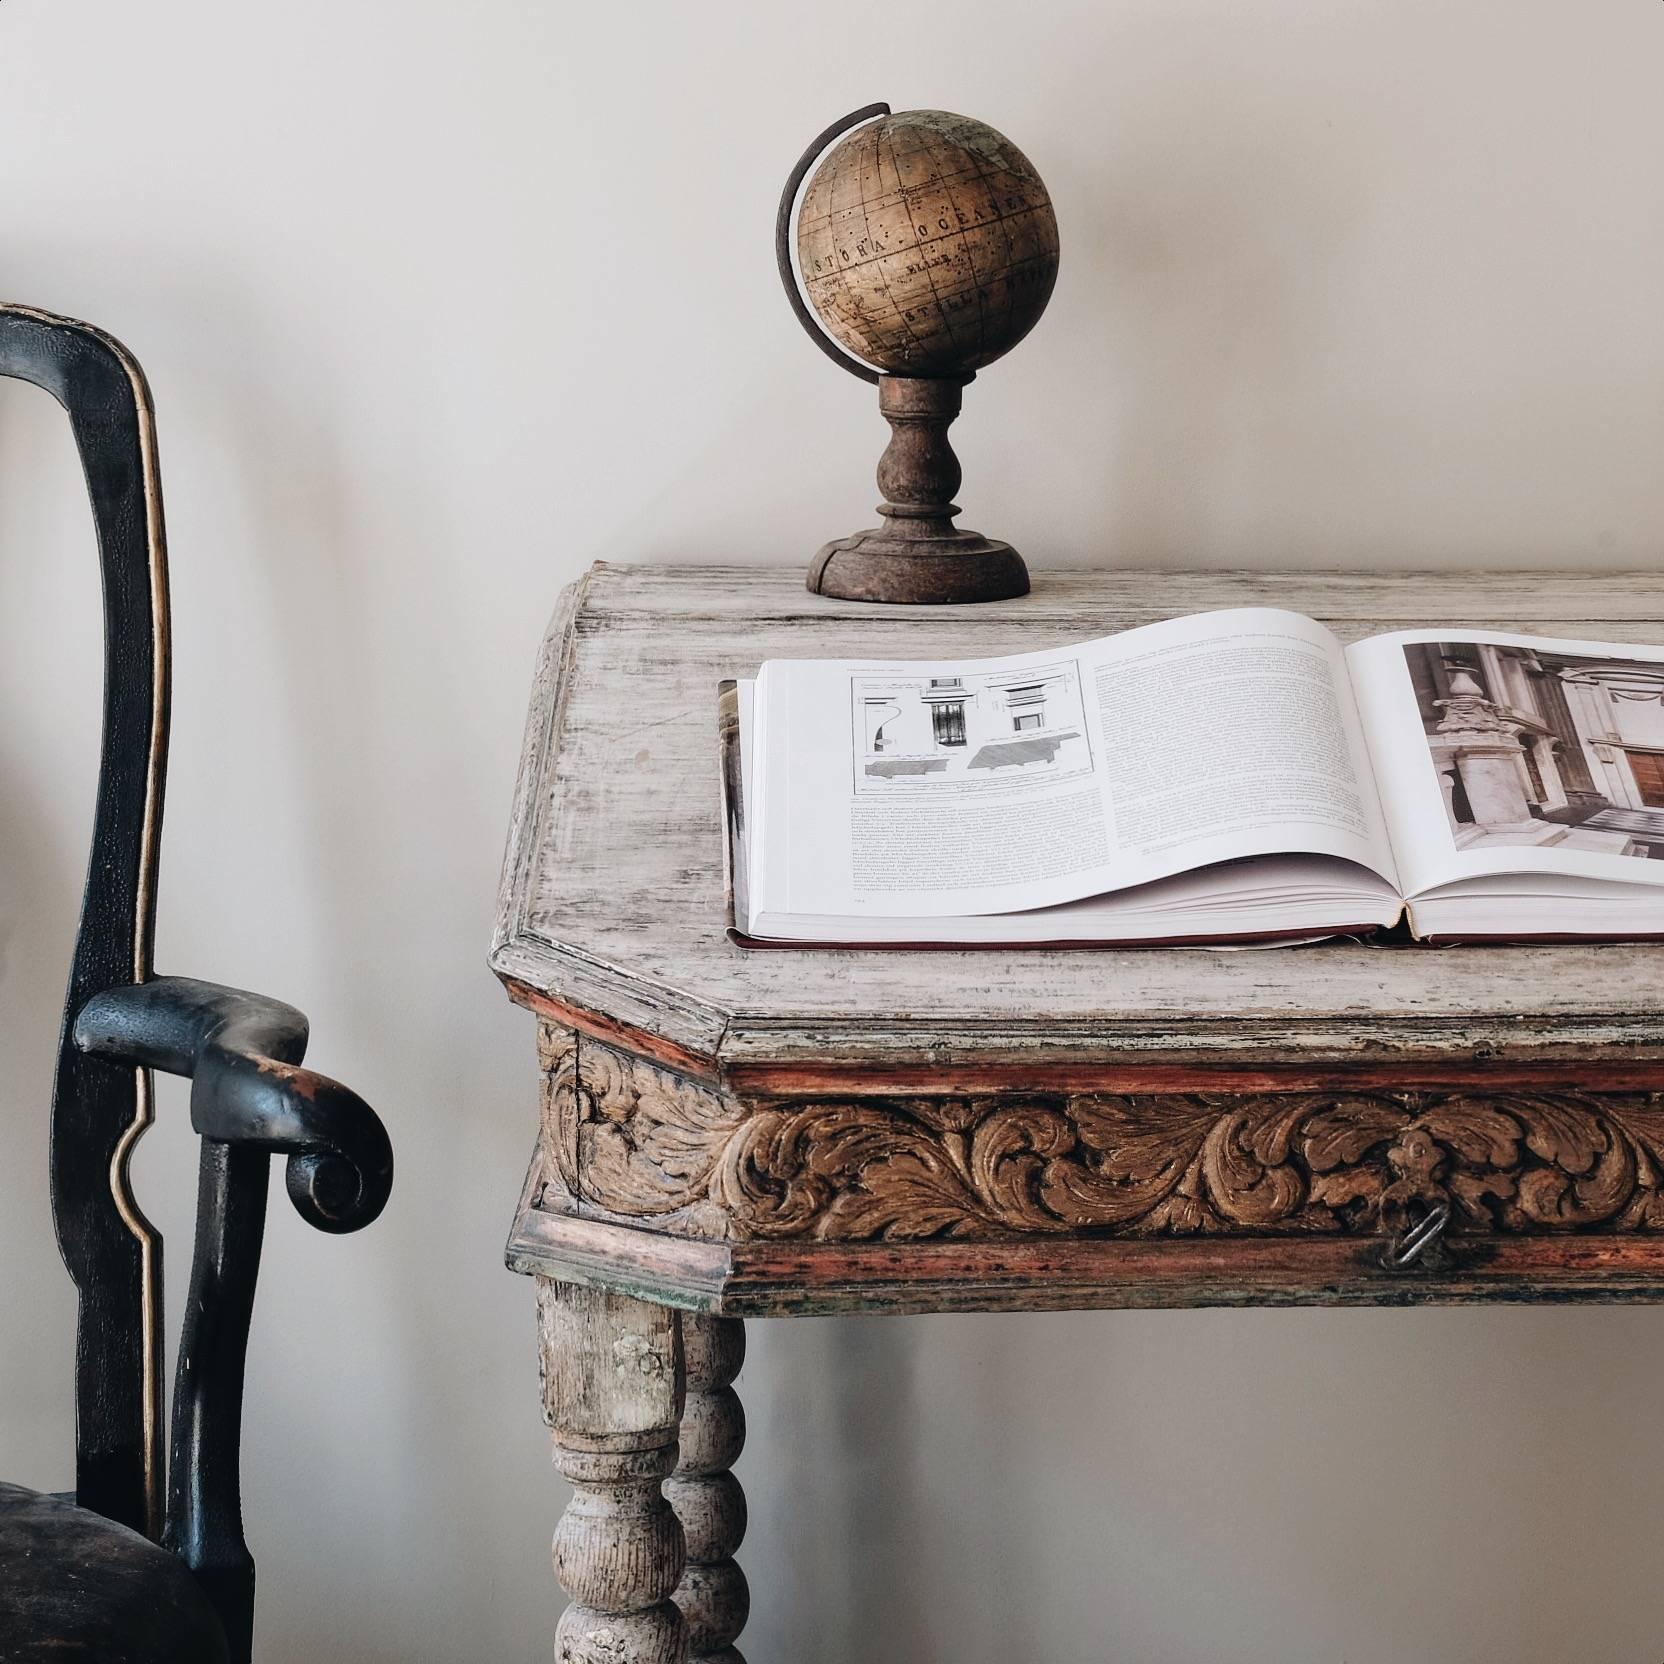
[(100, 1107)]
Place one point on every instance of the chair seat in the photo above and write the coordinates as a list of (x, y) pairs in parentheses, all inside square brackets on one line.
[(76, 1587)]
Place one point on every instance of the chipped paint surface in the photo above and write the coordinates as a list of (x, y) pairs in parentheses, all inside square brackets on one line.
[(613, 905)]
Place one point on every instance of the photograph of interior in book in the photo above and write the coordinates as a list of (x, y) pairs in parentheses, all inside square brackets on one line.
[(923, 732), (1234, 777), (1537, 747)]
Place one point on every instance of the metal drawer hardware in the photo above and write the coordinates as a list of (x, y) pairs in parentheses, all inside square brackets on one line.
[(1420, 1245)]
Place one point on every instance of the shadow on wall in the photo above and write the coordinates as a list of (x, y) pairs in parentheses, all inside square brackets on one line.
[(840, 1526), (859, 1535), (49, 701), (1322, 1484), (37, 1300)]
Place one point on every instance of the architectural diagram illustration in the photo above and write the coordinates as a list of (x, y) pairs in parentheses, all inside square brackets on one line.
[(1541, 748), (922, 732)]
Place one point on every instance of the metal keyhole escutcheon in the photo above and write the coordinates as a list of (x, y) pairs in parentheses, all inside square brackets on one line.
[(1420, 1245)]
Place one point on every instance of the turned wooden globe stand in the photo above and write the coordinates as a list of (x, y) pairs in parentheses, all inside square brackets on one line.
[(928, 244), (918, 554)]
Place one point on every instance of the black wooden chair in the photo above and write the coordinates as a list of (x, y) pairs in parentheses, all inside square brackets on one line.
[(111, 1573)]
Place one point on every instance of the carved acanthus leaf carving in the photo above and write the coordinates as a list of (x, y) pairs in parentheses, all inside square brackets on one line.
[(638, 1142)]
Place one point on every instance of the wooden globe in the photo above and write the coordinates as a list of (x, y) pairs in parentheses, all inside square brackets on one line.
[(927, 244)]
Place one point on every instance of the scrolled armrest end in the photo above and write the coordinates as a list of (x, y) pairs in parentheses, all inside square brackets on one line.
[(242, 1055)]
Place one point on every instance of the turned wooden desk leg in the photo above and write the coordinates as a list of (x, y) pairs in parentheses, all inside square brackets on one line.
[(613, 1393), (707, 1497)]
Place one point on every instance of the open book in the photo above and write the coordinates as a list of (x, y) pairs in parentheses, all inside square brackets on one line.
[(1231, 776)]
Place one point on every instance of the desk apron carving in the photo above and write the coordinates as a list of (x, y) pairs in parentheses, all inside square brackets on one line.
[(636, 1142)]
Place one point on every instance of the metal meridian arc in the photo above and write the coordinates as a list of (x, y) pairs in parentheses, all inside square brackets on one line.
[(783, 241)]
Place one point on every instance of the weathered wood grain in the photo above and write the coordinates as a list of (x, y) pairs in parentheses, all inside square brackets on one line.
[(744, 594), (1065, 1273), (613, 1394), (713, 1595), (634, 1142), (764, 1204), (612, 908)]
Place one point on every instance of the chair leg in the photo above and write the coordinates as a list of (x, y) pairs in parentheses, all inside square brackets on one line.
[(706, 1496), (613, 1396)]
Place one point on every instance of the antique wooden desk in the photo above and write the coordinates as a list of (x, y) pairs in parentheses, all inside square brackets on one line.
[(730, 1134)]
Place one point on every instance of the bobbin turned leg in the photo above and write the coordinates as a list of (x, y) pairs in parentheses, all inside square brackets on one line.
[(612, 1387), (707, 1497)]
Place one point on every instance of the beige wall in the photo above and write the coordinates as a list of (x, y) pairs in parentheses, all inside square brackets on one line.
[(443, 301)]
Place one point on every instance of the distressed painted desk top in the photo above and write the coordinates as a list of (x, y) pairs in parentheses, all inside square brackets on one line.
[(612, 906), (729, 1133)]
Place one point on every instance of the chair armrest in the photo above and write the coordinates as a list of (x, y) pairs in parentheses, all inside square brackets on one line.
[(242, 1055), (250, 1099)]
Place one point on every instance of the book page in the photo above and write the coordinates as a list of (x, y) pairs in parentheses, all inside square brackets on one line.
[(938, 788), (1502, 754)]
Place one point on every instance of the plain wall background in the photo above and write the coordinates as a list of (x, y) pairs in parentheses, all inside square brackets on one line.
[(440, 302)]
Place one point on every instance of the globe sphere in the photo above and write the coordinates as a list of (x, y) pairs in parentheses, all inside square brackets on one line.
[(927, 244)]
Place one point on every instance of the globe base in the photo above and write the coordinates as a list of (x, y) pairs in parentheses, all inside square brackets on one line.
[(879, 565), (917, 555)]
